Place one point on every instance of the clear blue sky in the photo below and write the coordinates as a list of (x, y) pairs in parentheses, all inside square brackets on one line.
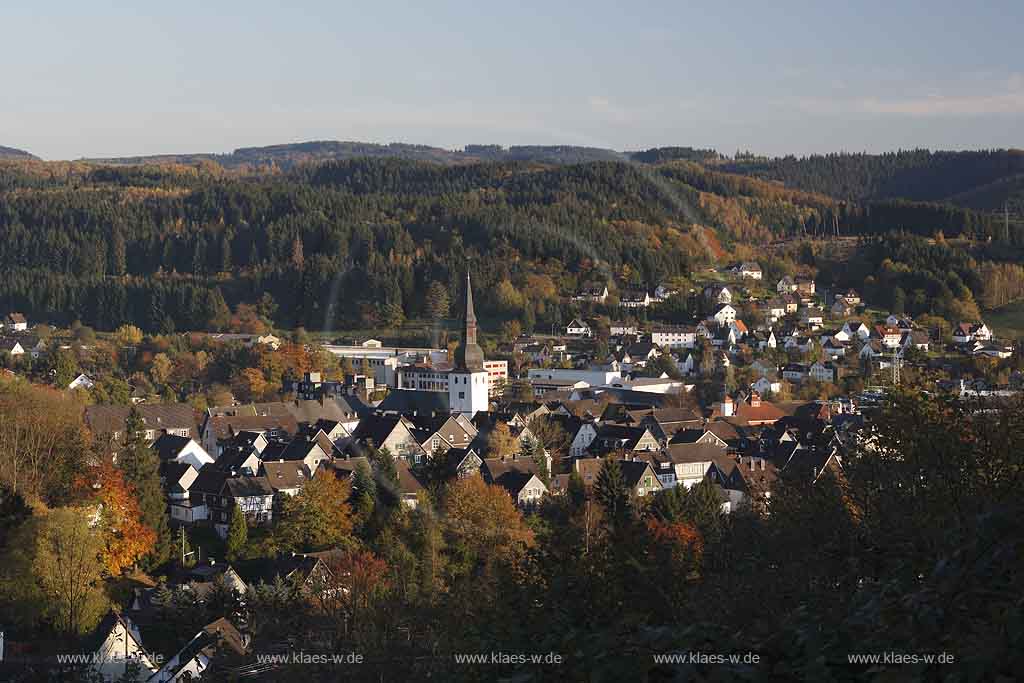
[(104, 78)]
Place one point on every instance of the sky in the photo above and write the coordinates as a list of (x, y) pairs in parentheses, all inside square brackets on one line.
[(103, 78)]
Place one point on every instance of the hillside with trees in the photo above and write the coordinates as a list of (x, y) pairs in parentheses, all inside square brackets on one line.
[(917, 175), (12, 153), (354, 243)]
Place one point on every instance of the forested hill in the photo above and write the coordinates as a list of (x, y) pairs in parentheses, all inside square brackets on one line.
[(12, 153), (174, 247), (290, 155), (916, 175)]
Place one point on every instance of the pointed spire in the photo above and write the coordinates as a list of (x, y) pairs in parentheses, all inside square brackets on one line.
[(470, 313)]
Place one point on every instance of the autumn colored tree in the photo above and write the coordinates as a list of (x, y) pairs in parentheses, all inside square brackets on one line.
[(501, 443), (318, 516), (128, 335), (483, 525), (125, 538)]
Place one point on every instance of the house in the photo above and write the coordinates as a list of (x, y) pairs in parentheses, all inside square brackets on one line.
[(595, 293), (286, 477), (16, 322), (967, 332), (902, 323), (871, 350), (578, 328), (393, 432), (856, 328), (992, 350), (750, 270), (812, 316), (81, 382), (917, 339), (614, 437), (792, 303), (177, 478), (217, 640), (409, 485), (621, 329), (11, 346), (794, 372), (687, 365), (114, 645), (851, 296), (640, 478), (581, 432), (764, 385), (639, 353), (517, 475), (724, 314), (171, 447), (842, 308), (691, 461), (718, 294), (109, 421), (753, 411), (526, 488), (220, 492), (679, 337), (833, 348), (739, 330), (822, 372), (634, 298), (786, 285), (698, 435), (889, 336), (805, 287), (775, 310)]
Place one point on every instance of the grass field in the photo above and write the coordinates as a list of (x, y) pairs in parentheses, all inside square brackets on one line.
[(1007, 321)]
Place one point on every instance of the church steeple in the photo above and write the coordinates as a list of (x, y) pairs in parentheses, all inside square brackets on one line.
[(469, 355)]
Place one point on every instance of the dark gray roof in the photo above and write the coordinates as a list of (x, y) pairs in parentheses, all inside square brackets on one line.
[(410, 402), (168, 446)]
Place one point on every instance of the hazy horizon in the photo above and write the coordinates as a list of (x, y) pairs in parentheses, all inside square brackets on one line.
[(107, 81)]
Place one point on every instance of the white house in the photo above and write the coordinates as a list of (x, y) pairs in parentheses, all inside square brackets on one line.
[(724, 314), (786, 285), (634, 298), (578, 328), (966, 332), (593, 293), (794, 372), (16, 322), (619, 329), (674, 337), (750, 270), (766, 386), (119, 645), (822, 372), (855, 328)]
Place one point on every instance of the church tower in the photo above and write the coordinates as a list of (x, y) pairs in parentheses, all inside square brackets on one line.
[(467, 382)]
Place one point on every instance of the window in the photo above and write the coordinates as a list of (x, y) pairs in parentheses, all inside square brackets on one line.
[(462, 394)]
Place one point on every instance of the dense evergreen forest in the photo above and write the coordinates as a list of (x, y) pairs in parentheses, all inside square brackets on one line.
[(918, 175), (174, 247)]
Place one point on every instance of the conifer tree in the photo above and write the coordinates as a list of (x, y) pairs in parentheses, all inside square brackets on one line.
[(140, 466), (238, 533), (611, 492)]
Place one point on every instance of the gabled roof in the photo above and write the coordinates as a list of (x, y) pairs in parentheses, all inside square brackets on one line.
[(290, 474), (245, 487), (168, 446), (680, 453), (107, 419)]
